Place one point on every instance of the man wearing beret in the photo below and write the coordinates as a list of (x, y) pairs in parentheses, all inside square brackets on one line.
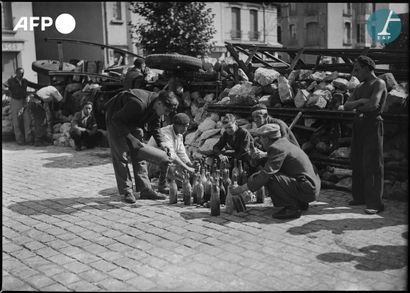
[(174, 140), (130, 116), (367, 101), (291, 179)]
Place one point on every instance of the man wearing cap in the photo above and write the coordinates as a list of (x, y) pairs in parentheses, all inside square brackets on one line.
[(131, 116), (135, 77), (261, 117), (174, 140), (291, 179), (367, 100)]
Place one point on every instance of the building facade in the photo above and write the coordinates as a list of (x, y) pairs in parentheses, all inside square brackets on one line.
[(328, 25), (18, 47), (244, 22)]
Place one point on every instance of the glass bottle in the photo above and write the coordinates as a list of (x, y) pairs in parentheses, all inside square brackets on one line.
[(240, 172), (260, 195), (187, 190), (195, 189), (173, 192), (235, 171), (244, 174), (215, 200), (199, 191), (229, 201), (222, 191), (207, 187)]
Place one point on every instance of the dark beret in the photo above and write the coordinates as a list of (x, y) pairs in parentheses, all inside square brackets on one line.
[(364, 60)]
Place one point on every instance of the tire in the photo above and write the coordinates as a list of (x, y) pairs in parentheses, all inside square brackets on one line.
[(44, 66), (173, 62)]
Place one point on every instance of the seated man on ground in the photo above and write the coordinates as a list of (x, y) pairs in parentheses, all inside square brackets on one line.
[(84, 128), (291, 179), (174, 140)]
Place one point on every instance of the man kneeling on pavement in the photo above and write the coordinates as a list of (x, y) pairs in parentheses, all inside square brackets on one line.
[(291, 179)]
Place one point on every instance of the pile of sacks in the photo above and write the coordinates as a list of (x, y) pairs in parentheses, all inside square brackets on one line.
[(6, 124), (61, 135), (308, 89)]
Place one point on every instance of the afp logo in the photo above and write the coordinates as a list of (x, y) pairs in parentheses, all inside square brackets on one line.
[(384, 26), (65, 23)]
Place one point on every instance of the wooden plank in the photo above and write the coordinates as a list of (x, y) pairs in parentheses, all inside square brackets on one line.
[(255, 56), (250, 55), (241, 64), (297, 58), (60, 55), (275, 58)]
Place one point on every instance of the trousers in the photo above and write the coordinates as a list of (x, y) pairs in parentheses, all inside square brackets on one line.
[(285, 190), (367, 161), (120, 146), (21, 123)]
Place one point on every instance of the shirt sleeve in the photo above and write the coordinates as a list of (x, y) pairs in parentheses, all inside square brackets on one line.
[(181, 152), (275, 160), (154, 128), (220, 144), (75, 120), (127, 113), (244, 142)]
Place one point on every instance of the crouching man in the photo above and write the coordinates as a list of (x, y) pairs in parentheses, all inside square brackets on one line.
[(291, 179)]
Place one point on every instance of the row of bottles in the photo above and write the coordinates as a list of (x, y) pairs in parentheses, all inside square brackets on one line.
[(208, 186)]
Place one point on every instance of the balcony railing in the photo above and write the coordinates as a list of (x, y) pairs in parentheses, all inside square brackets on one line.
[(236, 35), (254, 36)]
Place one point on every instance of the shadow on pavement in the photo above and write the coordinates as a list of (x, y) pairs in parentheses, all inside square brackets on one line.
[(78, 160), (376, 258), (257, 214), (63, 206), (341, 225)]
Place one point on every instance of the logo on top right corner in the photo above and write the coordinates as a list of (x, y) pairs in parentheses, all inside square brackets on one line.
[(384, 26)]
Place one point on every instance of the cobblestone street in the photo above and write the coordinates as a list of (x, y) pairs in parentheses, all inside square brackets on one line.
[(65, 228)]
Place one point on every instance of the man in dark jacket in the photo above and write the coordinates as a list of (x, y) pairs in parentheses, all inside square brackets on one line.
[(291, 179), (235, 141), (84, 128), (17, 88), (131, 117)]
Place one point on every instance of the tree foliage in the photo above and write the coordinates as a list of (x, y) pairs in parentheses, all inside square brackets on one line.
[(173, 27)]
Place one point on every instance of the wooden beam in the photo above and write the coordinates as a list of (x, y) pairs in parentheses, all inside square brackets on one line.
[(60, 55), (250, 55), (241, 64), (297, 58)]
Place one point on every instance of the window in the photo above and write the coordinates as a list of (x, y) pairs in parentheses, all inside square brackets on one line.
[(347, 10), (312, 33), (116, 11), (279, 30), (7, 16), (279, 11), (253, 33), (360, 34), (236, 23), (292, 8), (347, 38), (292, 31)]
